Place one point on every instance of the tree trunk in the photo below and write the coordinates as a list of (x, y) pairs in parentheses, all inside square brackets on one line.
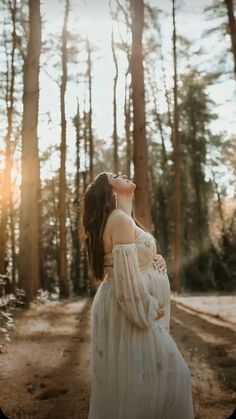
[(177, 172), (41, 247), (86, 266), (63, 279), (90, 114), (76, 231), (30, 187), (128, 121), (232, 29), (166, 90), (6, 187), (115, 136), (13, 244), (140, 150)]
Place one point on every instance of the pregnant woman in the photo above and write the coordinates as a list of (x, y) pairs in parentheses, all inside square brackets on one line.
[(137, 371)]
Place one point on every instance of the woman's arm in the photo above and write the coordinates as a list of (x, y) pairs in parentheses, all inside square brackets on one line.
[(140, 307)]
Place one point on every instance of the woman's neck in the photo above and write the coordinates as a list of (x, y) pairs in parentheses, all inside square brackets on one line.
[(124, 202)]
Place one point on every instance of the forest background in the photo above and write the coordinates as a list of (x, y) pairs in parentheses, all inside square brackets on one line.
[(144, 89)]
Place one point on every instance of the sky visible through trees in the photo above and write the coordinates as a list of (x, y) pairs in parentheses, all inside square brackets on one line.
[(94, 21)]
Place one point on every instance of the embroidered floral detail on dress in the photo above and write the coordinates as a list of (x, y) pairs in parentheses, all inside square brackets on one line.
[(99, 352), (149, 275), (160, 328), (155, 306), (159, 366), (137, 299), (121, 298), (147, 243)]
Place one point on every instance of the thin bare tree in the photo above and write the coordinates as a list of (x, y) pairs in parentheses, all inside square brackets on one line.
[(6, 194), (232, 29), (30, 186), (128, 128), (115, 80), (177, 170), (90, 112), (63, 278), (140, 149)]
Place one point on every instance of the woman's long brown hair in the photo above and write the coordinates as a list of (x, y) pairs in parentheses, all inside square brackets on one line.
[(98, 203)]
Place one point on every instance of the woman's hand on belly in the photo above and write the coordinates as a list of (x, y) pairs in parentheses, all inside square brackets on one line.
[(161, 312), (159, 263)]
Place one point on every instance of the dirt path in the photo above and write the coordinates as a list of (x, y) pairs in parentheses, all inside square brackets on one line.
[(209, 347), (45, 371)]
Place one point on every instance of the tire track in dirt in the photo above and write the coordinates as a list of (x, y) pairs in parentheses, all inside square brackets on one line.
[(208, 346)]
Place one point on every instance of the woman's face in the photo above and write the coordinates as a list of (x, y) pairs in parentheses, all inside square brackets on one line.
[(120, 183)]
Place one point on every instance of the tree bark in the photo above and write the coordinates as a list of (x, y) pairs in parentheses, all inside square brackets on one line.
[(128, 121), (85, 263), (90, 113), (76, 231), (140, 149), (6, 187), (177, 171), (30, 187), (115, 136), (232, 29), (63, 279)]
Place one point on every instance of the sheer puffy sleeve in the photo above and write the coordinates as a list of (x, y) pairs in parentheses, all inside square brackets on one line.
[(165, 300), (140, 307)]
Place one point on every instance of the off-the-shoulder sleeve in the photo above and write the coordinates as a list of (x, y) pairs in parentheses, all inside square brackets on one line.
[(140, 307)]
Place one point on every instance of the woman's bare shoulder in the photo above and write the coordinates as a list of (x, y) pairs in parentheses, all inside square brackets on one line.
[(121, 227), (118, 216)]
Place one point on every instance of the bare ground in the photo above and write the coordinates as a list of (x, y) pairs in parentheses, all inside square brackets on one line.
[(45, 371)]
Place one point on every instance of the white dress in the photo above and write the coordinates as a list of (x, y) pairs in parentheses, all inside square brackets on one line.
[(137, 371)]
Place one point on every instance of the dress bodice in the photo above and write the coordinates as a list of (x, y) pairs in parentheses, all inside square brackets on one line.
[(146, 247)]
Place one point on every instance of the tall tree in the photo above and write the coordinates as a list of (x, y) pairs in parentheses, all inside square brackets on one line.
[(7, 206), (76, 260), (177, 170), (140, 150), (128, 121), (63, 279), (90, 113), (126, 47), (232, 29), (115, 135), (115, 80), (30, 186)]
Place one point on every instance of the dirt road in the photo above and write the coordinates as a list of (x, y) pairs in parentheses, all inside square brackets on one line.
[(45, 371)]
